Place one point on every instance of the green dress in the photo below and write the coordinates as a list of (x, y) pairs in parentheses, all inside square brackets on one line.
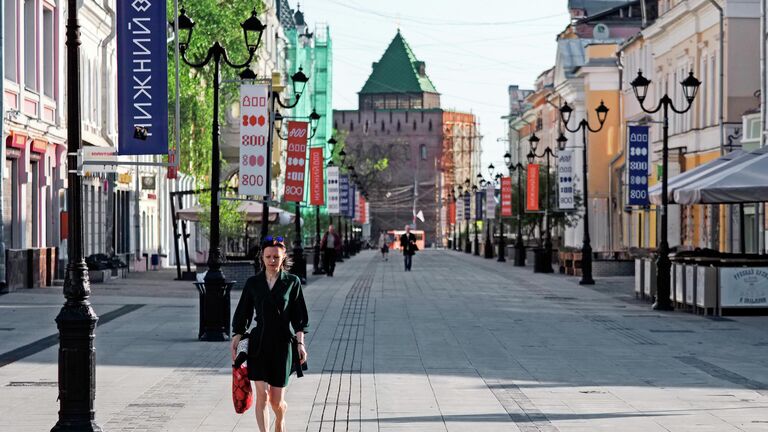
[(279, 313)]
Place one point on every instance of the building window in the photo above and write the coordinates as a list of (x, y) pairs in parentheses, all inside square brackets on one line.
[(48, 57), (416, 103), (378, 102), (9, 40), (382, 125), (30, 46), (430, 125), (414, 125), (423, 151)]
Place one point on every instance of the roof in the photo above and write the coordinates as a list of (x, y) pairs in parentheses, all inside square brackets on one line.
[(592, 7), (285, 14), (398, 71)]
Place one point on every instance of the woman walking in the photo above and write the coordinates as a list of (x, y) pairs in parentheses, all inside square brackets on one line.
[(276, 342), (384, 245)]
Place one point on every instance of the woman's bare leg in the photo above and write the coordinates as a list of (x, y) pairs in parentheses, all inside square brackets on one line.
[(279, 406), (262, 405)]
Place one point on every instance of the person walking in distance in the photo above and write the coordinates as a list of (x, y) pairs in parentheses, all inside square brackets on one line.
[(384, 245), (408, 246), (276, 340), (331, 245)]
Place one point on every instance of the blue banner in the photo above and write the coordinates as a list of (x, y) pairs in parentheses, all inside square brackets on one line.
[(352, 201), (479, 205), (344, 195), (638, 165), (467, 207), (142, 77)]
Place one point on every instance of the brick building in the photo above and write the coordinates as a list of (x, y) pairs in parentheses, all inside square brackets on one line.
[(429, 150)]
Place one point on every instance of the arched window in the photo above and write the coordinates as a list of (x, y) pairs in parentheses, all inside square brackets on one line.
[(430, 125), (423, 151)]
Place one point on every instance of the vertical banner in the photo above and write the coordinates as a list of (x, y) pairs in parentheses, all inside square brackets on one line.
[(316, 176), (296, 162), (467, 206), (452, 213), (367, 212), (142, 77), (254, 138), (352, 202), (638, 165), (332, 189), (565, 180), (532, 188), (344, 195), (490, 201), (506, 196), (479, 205), (363, 207), (459, 210)]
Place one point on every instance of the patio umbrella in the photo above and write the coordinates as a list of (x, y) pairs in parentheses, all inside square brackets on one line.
[(251, 212), (692, 175), (745, 182)]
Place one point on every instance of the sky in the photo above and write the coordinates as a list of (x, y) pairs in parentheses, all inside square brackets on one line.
[(473, 50)]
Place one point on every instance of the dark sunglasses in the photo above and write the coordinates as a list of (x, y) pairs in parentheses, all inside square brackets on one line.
[(272, 241)]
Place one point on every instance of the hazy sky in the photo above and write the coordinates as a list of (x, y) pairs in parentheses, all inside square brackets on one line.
[(473, 49)]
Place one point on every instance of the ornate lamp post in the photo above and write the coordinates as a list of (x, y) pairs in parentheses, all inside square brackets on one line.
[(586, 248), (468, 218), (457, 232), (76, 320), (663, 265), (546, 266), (299, 262), (519, 245), (216, 297), (477, 238), (488, 249)]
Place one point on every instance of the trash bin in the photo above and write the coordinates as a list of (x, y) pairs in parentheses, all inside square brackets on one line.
[(541, 262), (215, 312)]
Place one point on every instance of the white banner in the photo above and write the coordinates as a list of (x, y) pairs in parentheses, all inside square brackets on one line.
[(565, 180), (743, 287), (490, 201), (459, 211), (367, 212), (332, 190), (255, 126)]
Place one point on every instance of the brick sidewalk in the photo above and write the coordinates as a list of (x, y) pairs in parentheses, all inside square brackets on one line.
[(459, 344)]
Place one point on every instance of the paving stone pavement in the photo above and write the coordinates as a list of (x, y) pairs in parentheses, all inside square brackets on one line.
[(461, 343)]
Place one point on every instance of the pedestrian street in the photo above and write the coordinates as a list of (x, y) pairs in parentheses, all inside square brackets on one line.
[(460, 343)]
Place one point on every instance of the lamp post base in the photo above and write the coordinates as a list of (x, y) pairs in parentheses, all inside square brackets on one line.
[(299, 264), (214, 307), (663, 270)]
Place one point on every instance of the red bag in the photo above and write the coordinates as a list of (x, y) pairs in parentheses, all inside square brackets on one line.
[(242, 393)]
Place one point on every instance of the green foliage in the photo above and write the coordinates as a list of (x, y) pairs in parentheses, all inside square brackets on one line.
[(370, 164), (231, 219), (215, 21)]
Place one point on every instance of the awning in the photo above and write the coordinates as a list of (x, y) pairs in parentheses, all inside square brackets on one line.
[(743, 182), (251, 211), (685, 178)]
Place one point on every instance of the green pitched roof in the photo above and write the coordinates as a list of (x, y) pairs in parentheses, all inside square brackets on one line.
[(398, 71)]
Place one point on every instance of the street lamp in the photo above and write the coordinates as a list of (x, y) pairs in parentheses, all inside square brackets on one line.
[(502, 246), (299, 262), (586, 248), (477, 238), (76, 320), (546, 265), (519, 245), (663, 265), (459, 201), (215, 325), (488, 250)]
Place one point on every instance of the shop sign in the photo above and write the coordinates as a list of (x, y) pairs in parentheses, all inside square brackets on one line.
[(39, 146), (638, 166), (17, 140), (506, 196), (296, 161), (255, 128), (316, 183), (332, 190), (142, 77), (148, 183), (744, 287), (124, 178), (565, 180), (490, 201), (532, 188)]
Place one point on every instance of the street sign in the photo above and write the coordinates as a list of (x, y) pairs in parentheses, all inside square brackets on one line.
[(565, 180), (142, 77), (532, 188), (254, 140), (316, 183), (296, 162), (638, 166), (332, 190), (506, 196)]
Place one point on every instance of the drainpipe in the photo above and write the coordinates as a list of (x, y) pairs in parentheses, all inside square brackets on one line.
[(620, 67), (111, 241), (720, 66), (2, 144)]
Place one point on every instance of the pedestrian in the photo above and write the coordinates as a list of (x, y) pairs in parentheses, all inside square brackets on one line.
[(331, 246), (384, 245), (276, 342), (408, 246)]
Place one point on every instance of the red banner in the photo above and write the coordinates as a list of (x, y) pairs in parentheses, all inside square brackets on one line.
[(173, 171), (506, 196), (316, 182), (363, 214), (532, 188), (296, 161), (452, 213)]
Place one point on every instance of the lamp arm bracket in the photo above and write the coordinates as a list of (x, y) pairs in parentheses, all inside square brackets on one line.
[(595, 130), (280, 102), (651, 111), (236, 65), (201, 64), (672, 106), (565, 125)]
